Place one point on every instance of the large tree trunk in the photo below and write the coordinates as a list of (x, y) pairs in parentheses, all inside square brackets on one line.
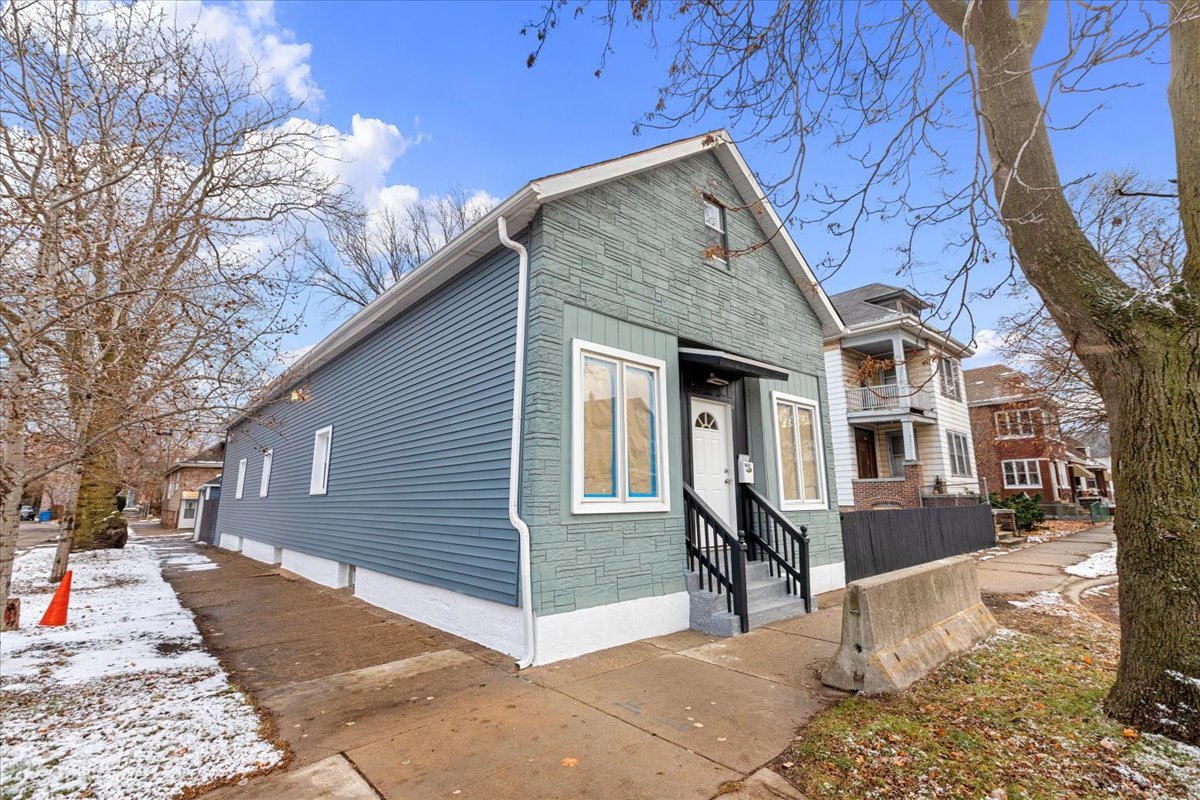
[(1143, 354), (98, 523), (1156, 446)]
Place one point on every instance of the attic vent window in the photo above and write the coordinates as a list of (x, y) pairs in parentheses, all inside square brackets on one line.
[(716, 240)]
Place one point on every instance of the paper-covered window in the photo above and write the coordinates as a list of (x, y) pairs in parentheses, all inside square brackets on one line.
[(800, 462), (618, 431)]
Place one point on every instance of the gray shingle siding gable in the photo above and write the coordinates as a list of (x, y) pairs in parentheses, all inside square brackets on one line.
[(623, 263), (418, 476)]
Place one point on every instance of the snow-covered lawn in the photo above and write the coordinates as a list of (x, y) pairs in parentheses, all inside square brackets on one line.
[(122, 702), (1096, 565)]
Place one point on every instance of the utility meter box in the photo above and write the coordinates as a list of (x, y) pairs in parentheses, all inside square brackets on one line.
[(745, 469)]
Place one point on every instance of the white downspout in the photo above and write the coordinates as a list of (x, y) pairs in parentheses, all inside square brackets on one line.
[(514, 458)]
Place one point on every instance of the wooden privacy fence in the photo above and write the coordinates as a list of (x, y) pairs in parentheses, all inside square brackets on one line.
[(882, 541)]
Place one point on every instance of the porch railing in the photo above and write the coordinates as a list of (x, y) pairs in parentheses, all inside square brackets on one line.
[(773, 538), (716, 555), (891, 397)]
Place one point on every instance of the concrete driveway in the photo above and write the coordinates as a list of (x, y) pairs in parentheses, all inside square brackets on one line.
[(375, 705)]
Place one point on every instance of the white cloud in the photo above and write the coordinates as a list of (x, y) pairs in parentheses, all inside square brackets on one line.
[(987, 343)]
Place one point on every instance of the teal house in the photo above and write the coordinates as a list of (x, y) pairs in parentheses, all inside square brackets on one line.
[(598, 415)]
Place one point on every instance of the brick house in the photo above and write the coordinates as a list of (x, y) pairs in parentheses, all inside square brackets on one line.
[(1019, 443), (548, 437), (181, 484), (900, 429)]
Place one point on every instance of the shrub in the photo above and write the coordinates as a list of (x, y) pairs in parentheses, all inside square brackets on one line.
[(1028, 509)]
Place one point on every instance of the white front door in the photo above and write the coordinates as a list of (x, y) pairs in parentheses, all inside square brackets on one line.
[(712, 458)]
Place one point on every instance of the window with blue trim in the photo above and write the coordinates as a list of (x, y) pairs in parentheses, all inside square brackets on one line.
[(618, 431)]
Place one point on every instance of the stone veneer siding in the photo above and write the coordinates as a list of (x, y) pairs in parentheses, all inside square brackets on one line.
[(622, 264)]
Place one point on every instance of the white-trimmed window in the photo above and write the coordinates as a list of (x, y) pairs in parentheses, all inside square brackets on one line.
[(618, 440), (799, 452), (716, 239), (950, 375), (1015, 424), (265, 481), (1022, 473), (318, 482), (241, 484), (959, 451)]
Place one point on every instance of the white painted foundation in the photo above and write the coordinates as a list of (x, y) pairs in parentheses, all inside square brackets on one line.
[(227, 542), (828, 577), (493, 625), (261, 551), (318, 570), (574, 633)]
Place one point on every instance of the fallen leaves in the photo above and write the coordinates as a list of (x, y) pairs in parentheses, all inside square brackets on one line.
[(569, 762)]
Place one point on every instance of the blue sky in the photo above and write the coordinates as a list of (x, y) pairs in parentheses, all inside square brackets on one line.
[(451, 79)]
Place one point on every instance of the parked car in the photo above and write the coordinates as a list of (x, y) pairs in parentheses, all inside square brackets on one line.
[(28, 514)]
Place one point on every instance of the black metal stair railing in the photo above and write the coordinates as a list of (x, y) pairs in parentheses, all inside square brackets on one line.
[(773, 538), (716, 555)]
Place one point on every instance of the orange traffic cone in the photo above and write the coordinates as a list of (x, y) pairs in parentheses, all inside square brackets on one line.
[(56, 614)]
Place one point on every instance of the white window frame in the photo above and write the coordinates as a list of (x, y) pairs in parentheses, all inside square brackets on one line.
[(620, 504), (822, 491), (318, 480), (241, 480), (265, 481), (723, 230), (1009, 419), (956, 382), (951, 455), (1036, 472)]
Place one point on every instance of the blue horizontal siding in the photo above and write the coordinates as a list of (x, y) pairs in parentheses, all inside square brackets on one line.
[(418, 476)]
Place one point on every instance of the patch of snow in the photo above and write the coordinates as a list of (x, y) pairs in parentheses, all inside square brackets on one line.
[(1039, 600), (1036, 539), (1168, 756), (1096, 565), (1184, 679), (1097, 590), (123, 701)]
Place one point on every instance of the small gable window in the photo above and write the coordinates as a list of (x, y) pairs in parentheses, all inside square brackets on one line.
[(716, 240)]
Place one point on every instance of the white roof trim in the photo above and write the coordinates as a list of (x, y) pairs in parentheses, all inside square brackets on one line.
[(519, 209)]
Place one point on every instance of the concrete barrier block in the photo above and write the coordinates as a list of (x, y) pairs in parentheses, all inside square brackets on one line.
[(899, 626)]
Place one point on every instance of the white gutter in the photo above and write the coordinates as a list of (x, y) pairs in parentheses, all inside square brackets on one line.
[(514, 458)]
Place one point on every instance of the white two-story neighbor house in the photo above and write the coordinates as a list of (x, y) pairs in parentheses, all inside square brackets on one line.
[(900, 430)]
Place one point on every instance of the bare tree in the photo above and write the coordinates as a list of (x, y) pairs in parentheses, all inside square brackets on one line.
[(946, 107), (363, 253), (153, 196), (1138, 234)]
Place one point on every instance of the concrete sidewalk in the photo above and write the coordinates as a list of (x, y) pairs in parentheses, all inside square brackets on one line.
[(1039, 567), (374, 705)]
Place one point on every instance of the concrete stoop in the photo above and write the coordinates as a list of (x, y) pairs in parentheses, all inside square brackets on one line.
[(767, 596)]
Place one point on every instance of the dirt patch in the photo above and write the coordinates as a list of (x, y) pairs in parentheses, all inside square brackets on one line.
[(1102, 601)]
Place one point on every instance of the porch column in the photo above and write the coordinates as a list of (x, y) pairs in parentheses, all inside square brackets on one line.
[(1052, 468), (910, 441), (901, 368)]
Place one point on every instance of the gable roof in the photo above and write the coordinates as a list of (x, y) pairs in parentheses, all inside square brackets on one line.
[(518, 210), (996, 383)]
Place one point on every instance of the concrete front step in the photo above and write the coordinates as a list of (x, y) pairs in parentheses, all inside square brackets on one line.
[(767, 596)]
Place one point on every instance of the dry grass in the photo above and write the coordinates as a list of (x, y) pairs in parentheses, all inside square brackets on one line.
[(1017, 717)]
